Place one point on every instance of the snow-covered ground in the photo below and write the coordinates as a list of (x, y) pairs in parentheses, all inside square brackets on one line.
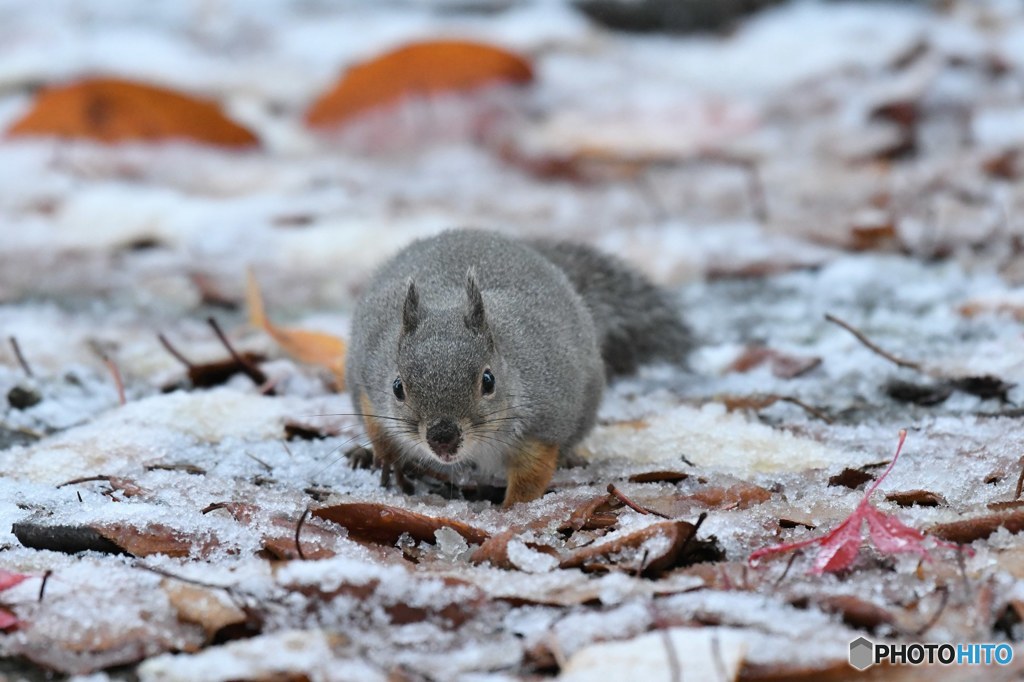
[(864, 161)]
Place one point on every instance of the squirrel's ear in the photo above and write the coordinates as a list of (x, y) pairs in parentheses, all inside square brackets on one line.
[(411, 310), (475, 319)]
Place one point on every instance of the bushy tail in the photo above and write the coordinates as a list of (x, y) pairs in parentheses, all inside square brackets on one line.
[(636, 321)]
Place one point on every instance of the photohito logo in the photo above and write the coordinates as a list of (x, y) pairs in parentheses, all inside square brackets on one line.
[(864, 653)]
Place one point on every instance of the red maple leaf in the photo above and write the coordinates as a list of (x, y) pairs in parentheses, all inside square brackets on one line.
[(840, 546), (7, 580)]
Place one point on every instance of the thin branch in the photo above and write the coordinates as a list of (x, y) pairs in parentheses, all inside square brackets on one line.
[(19, 356), (250, 370), (871, 346), (675, 669), (621, 497), (813, 411), (298, 532), (258, 461), (935, 616), (693, 534), (1020, 483), (174, 351), (85, 479), (42, 585)]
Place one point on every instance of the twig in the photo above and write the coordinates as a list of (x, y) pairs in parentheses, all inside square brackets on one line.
[(191, 581), (287, 449), (785, 571), (19, 356), (114, 372), (871, 346), (298, 532), (174, 351), (258, 460), (674, 667), (1020, 483), (716, 654), (643, 564), (621, 497), (85, 479), (80, 500), (693, 534), (214, 506), (42, 586), (807, 408), (187, 468), (935, 616), (250, 370)]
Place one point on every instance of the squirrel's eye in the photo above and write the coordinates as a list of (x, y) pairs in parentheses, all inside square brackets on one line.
[(398, 388), (487, 382)]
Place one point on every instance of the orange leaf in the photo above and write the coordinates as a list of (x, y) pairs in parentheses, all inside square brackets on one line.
[(315, 348), (112, 110), (419, 68)]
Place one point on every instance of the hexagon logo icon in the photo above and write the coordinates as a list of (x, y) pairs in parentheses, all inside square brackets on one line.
[(862, 653)]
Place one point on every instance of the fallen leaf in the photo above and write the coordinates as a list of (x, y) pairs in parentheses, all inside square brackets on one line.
[(650, 550), (381, 524), (112, 110), (784, 366), (985, 387), (305, 346), (840, 546), (921, 498), (594, 514), (417, 69), (978, 528), (737, 496), (659, 477), (203, 607), (112, 538), (925, 395), (850, 478), (856, 612)]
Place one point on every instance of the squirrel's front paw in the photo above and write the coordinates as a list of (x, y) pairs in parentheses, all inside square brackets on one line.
[(360, 457)]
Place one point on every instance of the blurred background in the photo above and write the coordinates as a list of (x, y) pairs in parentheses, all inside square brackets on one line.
[(699, 138)]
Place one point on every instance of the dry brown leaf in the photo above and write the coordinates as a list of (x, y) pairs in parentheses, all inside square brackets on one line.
[(113, 110), (315, 348), (978, 528), (381, 524), (659, 477), (202, 606), (850, 478), (155, 538), (922, 498), (677, 533), (738, 496), (855, 612), (784, 365), (418, 69), (494, 550)]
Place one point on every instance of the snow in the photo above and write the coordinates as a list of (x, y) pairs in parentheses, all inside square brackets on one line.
[(732, 172)]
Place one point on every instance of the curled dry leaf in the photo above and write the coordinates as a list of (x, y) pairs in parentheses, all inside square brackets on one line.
[(979, 527), (203, 607), (381, 524), (855, 612), (112, 538), (659, 477), (921, 498), (741, 495), (418, 69), (315, 348), (659, 546), (113, 110), (494, 550)]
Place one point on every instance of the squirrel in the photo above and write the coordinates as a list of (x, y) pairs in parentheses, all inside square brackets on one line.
[(473, 347)]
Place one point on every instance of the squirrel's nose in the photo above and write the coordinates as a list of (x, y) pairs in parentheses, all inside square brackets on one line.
[(444, 437)]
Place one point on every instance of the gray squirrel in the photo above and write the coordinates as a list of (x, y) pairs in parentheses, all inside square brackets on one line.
[(470, 346)]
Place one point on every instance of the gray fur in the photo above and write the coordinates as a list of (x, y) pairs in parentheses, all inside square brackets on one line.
[(446, 308)]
